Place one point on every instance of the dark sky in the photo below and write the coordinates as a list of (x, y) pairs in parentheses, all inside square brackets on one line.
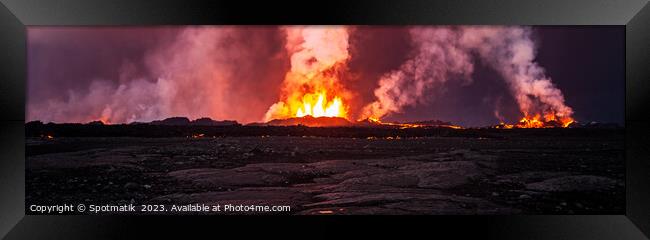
[(588, 63), (65, 64)]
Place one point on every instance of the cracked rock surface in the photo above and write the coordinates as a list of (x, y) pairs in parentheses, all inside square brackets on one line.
[(316, 175)]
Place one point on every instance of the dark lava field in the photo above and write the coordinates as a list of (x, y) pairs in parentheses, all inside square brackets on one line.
[(466, 171)]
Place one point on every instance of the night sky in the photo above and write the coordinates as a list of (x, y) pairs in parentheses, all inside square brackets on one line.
[(67, 66)]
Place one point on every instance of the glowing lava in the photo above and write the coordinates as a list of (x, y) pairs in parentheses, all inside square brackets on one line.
[(313, 86), (376, 121), (563, 121), (549, 120), (317, 105)]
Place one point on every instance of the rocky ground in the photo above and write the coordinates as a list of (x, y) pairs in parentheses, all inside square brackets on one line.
[(497, 174)]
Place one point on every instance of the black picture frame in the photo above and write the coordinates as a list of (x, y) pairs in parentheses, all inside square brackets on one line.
[(15, 15)]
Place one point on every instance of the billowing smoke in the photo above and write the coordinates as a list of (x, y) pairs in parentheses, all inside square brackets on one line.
[(511, 51), (447, 53), (215, 72), (438, 57), (250, 74), (318, 56)]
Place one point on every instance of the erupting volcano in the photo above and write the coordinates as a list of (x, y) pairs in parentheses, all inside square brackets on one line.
[(313, 86), (319, 57), (253, 75)]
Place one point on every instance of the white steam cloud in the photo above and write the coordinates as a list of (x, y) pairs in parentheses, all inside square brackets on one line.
[(204, 72), (447, 53)]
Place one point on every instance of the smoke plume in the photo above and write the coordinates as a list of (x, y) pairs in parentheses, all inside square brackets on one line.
[(448, 53), (319, 55), (215, 72)]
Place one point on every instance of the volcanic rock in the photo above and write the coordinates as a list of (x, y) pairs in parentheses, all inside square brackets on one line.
[(97, 123), (594, 124), (310, 121), (172, 121), (583, 183), (228, 178), (209, 122), (34, 123), (427, 124), (456, 174), (432, 123)]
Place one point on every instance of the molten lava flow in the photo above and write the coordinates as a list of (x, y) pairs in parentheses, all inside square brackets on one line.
[(549, 120), (531, 122), (317, 105), (376, 121), (563, 121)]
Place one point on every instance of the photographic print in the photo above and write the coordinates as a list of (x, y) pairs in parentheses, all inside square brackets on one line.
[(320, 120)]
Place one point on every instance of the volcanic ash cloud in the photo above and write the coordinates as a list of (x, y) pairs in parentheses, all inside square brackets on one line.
[(202, 72), (443, 54)]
